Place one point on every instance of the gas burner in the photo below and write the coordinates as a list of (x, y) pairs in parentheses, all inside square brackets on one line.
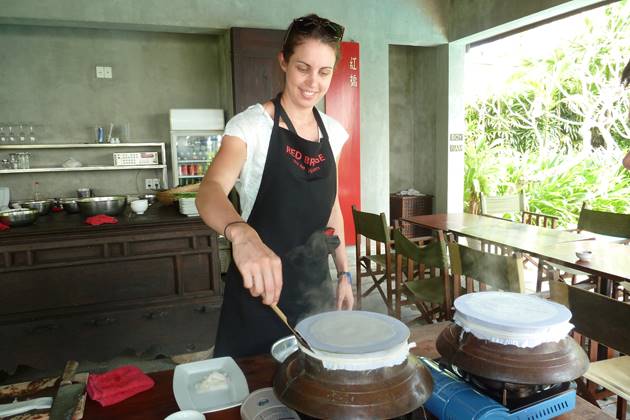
[(511, 395), (460, 395)]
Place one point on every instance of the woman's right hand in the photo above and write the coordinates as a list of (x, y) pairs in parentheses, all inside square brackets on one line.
[(260, 267)]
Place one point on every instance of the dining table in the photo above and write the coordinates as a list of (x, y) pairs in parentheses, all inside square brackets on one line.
[(610, 258), (159, 401)]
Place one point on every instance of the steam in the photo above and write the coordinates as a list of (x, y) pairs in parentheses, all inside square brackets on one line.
[(315, 291)]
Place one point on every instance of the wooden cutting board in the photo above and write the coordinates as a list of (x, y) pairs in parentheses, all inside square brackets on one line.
[(46, 387)]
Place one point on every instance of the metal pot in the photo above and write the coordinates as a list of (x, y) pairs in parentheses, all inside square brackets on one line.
[(70, 205), (110, 206), (19, 217), (42, 206)]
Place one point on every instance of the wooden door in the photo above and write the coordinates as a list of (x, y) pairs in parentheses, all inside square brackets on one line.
[(256, 73)]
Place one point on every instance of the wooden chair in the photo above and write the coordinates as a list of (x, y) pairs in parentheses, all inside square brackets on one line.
[(600, 321), (374, 255), (515, 207), (422, 277), (598, 222), (475, 270)]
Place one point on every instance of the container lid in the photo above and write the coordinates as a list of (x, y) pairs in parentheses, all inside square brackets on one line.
[(355, 340), (512, 318), (352, 332)]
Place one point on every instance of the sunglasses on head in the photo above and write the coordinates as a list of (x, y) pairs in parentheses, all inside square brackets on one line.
[(305, 25)]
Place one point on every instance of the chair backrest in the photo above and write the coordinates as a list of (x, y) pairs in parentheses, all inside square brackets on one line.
[(429, 257), (596, 316), (500, 272), (370, 225), (500, 205), (432, 254), (604, 222)]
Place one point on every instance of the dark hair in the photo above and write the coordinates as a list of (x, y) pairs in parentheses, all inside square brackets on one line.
[(625, 75), (312, 27)]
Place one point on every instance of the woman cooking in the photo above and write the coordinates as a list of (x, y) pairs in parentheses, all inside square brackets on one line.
[(281, 156)]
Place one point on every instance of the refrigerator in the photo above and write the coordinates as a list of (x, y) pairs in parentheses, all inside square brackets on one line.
[(195, 140)]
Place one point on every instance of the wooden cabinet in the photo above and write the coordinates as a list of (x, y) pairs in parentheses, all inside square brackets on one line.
[(256, 73), (150, 285), (404, 206)]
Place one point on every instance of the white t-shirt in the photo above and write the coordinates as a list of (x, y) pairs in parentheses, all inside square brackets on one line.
[(254, 126)]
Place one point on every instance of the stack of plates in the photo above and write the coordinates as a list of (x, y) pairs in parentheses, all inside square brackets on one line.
[(187, 206)]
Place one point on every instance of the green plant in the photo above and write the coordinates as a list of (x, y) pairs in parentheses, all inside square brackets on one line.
[(560, 131)]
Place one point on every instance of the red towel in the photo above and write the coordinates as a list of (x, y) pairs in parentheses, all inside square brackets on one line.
[(117, 385), (99, 219), (4, 227)]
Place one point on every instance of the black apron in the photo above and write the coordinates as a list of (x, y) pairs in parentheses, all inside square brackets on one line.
[(294, 203)]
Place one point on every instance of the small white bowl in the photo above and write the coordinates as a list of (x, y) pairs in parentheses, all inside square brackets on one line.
[(139, 206), (584, 255), (186, 415)]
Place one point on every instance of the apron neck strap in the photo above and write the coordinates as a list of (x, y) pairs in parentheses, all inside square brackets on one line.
[(280, 112)]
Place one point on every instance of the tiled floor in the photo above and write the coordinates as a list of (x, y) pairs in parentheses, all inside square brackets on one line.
[(373, 303)]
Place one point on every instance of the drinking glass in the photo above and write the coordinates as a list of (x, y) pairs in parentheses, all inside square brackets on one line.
[(3, 136), (31, 135), (22, 134), (11, 135)]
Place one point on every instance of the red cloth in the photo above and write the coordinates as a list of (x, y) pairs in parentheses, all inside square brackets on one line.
[(4, 227), (99, 219), (57, 209), (117, 385)]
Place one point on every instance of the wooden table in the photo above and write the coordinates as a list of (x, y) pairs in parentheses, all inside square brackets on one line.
[(159, 402), (610, 260)]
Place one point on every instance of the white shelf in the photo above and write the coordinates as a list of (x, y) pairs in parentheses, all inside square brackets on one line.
[(82, 168), (36, 146), (75, 145)]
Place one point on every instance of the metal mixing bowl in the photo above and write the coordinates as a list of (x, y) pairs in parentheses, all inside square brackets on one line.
[(70, 205), (42, 206), (19, 217), (110, 206)]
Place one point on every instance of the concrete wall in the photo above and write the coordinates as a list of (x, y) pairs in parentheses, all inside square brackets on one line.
[(48, 78), (372, 23), (412, 118)]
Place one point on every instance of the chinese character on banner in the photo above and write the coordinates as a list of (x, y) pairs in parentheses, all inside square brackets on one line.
[(353, 63), (353, 80)]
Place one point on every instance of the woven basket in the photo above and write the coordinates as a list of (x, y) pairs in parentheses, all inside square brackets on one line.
[(168, 197)]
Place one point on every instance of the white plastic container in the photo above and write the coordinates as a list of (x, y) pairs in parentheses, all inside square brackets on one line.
[(263, 404)]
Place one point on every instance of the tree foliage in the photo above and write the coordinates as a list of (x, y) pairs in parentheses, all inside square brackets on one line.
[(561, 131)]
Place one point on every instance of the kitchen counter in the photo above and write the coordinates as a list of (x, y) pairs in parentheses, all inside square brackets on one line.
[(54, 223), (150, 283)]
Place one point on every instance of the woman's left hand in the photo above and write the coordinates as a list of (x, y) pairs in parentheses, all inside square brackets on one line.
[(345, 296)]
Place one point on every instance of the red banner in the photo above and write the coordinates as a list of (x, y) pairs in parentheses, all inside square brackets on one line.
[(342, 103)]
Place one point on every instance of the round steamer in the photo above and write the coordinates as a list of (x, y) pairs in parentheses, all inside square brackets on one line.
[(360, 367), (512, 338)]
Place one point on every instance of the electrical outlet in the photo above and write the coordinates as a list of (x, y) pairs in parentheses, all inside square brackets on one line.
[(103, 72), (156, 184), (107, 72), (148, 184)]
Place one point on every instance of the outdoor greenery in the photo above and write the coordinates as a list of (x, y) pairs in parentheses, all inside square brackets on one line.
[(560, 133)]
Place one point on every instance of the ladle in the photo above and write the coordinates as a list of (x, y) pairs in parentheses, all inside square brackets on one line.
[(297, 335)]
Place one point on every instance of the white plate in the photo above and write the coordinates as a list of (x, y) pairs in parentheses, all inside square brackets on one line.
[(187, 375)]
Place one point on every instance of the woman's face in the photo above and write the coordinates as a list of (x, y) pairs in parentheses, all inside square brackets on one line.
[(308, 72)]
